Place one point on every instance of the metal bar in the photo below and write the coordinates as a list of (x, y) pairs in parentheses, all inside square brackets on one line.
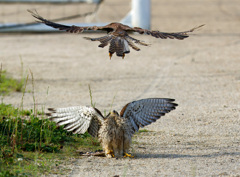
[(49, 1)]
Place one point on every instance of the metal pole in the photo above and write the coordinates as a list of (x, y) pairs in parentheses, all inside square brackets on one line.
[(141, 13)]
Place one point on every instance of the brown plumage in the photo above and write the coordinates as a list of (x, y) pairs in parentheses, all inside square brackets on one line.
[(114, 131), (117, 35)]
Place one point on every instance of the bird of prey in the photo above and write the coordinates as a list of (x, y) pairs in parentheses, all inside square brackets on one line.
[(117, 35), (114, 131)]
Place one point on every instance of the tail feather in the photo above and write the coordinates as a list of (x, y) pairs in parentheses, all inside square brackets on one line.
[(112, 47), (119, 46), (126, 48)]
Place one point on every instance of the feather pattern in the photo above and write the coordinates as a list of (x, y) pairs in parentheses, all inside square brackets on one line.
[(71, 29), (78, 119), (164, 35), (125, 46), (112, 47), (103, 40), (132, 45), (119, 46), (137, 41), (143, 112)]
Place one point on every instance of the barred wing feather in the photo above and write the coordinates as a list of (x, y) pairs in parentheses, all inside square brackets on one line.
[(71, 29), (164, 35), (78, 119), (143, 112)]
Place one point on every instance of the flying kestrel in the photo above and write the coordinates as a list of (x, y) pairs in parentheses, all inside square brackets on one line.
[(117, 35), (114, 131)]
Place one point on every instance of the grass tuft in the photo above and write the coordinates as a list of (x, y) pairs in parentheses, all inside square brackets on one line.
[(28, 140), (8, 84), (31, 145)]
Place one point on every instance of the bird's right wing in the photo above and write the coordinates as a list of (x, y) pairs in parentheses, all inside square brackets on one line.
[(78, 119), (71, 29), (146, 111)]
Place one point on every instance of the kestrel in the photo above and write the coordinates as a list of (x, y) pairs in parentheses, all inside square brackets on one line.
[(113, 131), (117, 35)]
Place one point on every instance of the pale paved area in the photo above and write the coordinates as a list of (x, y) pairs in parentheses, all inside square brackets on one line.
[(200, 138)]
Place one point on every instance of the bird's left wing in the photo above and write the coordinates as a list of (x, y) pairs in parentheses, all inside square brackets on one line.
[(71, 29), (143, 112), (78, 119), (165, 35)]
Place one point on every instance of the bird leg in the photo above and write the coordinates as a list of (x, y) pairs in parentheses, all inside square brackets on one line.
[(109, 153), (127, 155), (110, 55), (123, 56)]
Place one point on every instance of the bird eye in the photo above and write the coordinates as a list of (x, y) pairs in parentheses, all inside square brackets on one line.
[(115, 112)]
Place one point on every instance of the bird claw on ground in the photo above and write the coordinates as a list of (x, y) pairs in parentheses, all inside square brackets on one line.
[(128, 155), (123, 56), (110, 55), (110, 153)]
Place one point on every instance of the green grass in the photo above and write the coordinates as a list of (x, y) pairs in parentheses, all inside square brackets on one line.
[(142, 131), (32, 146), (8, 84)]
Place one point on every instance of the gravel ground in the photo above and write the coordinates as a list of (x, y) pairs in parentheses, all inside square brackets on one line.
[(200, 138)]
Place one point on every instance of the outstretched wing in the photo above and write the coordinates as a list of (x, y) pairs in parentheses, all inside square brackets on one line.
[(143, 112), (71, 29), (78, 119), (164, 35)]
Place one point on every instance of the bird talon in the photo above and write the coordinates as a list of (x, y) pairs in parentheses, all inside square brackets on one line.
[(128, 155), (110, 152), (110, 55), (123, 56)]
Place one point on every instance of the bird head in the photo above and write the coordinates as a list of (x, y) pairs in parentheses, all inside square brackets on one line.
[(114, 113)]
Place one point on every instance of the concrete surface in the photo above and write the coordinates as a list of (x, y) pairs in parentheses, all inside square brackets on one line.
[(200, 138)]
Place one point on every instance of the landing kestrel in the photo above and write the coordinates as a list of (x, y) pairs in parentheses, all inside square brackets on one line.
[(114, 131), (117, 35)]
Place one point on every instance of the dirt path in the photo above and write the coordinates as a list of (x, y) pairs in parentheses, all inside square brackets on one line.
[(200, 138)]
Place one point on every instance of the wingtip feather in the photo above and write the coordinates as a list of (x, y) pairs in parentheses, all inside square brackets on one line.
[(48, 114), (52, 109), (88, 38), (198, 27)]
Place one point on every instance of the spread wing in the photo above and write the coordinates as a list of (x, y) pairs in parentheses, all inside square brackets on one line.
[(143, 112), (71, 29), (78, 119), (164, 35)]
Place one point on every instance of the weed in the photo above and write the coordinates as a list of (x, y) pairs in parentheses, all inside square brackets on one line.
[(142, 131), (90, 93), (113, 101), (8, 84), (26, 139), (31, 145)]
